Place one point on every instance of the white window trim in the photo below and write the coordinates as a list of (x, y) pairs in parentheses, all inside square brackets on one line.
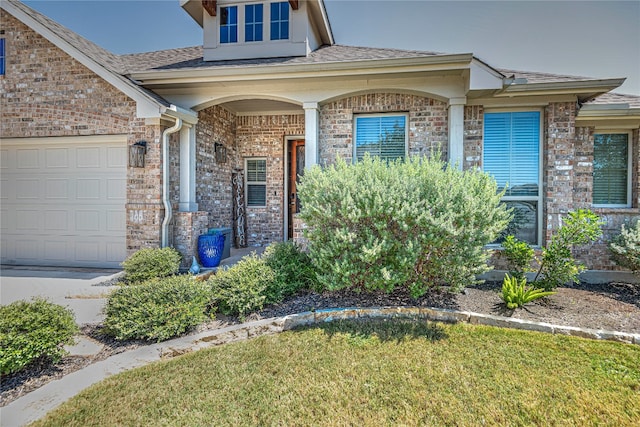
[(541, 190), (629, 165), (266, 24), (247, 182), (355, 130)]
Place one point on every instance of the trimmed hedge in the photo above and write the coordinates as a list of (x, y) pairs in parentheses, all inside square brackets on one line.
[(158, 309), (31, 330), (151, 263), (293, 271), (243, 288)]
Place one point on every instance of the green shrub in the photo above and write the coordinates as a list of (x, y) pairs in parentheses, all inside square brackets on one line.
[(30, 330), (151, 263), (414, 223), (556, 266), (158, 309), (242, 288), (625, 248), (516, 294), (519, 256), (293, 271)]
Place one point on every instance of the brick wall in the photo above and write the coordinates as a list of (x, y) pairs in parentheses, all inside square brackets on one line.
[(46, 93), (427, 123), (264, 136)]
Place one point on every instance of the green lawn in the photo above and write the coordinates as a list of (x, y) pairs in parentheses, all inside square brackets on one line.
[(376, 373)]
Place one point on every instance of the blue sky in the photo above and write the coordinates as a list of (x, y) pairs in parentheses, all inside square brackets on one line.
[(598, 39)]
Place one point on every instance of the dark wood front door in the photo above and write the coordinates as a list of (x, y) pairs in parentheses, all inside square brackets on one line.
[(295, 160)]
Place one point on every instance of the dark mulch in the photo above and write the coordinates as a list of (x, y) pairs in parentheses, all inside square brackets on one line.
[(613, 306)]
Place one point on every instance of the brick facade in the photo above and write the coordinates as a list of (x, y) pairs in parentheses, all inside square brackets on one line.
[(264, 136), (46, 93), (428, 127)]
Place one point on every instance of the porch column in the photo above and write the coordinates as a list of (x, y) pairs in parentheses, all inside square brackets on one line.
[(188, 169), (456, 131), (311, 129)]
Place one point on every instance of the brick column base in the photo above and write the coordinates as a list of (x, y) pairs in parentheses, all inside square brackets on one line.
[(187, 226)]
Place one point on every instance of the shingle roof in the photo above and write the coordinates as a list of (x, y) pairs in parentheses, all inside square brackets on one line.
[(191, 58), (536, 77), (616, 98)]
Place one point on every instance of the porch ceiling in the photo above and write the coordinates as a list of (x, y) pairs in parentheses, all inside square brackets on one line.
[(261, 106)]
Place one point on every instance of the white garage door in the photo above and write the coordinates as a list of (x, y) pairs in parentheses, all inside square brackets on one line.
[(63, 201)]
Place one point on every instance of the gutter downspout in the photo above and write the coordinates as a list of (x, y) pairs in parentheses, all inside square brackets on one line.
[(164, 242)]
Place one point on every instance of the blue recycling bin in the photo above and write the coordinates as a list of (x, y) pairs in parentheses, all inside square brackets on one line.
[(210, 248)]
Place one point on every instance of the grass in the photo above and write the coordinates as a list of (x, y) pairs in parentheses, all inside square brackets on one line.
[(376, 373)]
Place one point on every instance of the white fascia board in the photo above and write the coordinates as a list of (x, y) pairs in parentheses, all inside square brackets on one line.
[(194, 9), (329, 69), (176, 112), (573, 87), (484, 77), (145, 106)]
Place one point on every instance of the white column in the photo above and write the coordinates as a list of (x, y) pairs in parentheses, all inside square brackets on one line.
[(311, 129), (188, 169), (456, 131)]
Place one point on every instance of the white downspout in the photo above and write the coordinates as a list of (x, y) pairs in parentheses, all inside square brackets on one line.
[(165, 182)]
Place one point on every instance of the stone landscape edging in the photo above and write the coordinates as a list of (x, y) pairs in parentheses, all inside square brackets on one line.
[(278, 324)]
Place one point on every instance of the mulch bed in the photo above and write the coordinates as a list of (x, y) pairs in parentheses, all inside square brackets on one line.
[(612, 306)]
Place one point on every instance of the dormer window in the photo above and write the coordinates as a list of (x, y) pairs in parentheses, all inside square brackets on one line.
[(253, 23), (280, 21), (229, 24)]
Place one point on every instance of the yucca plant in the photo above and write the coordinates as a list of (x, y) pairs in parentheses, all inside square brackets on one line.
[(515, 292)]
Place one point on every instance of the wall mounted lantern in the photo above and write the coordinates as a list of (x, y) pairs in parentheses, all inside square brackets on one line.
[(221, 153), (137, 152)]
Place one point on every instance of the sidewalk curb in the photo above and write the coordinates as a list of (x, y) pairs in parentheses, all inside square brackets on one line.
[(36, 404)]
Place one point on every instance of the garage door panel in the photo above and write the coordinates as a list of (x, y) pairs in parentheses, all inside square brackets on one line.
[(57, 188), (27, 188), (116, 159), (116, 189), (63, 201), (88, 189), (56, 221), (57, 158), (27, 159), (88, 157)]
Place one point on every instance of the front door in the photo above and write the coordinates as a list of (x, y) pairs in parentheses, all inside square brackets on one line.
[(295, 162)]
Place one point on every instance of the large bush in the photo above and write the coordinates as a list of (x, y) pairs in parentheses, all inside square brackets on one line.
[(157, 310), (242, 288), (151, 263), (414, 223), (292, 268), (625, 248), (31, 330)]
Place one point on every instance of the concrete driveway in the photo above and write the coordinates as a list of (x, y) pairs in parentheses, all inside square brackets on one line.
[(76, 288)]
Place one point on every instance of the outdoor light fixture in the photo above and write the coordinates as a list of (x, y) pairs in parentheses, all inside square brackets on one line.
[(221, 153), (136, 154)]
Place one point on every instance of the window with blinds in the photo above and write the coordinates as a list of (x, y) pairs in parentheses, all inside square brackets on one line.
[(256, 182), (611, 169), (383, 136), (511, 154)]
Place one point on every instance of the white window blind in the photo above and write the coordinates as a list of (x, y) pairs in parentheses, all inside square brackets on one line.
[(512, 151), (511, 154), (256, 170), (611, 169), (381, 136)]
